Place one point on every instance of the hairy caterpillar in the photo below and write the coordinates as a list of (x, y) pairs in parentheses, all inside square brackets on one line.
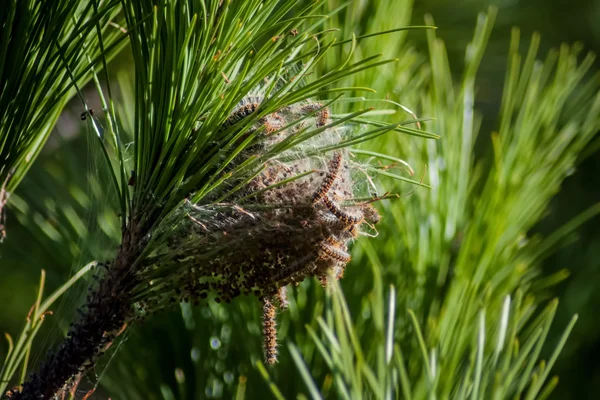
[(341, 214), (334, 168), (334, 252), (282, 297), (272, 123), (322, 116), (371, 214), (247, 107), (340, 272), (269, 332), (334, 242), (352, 230)]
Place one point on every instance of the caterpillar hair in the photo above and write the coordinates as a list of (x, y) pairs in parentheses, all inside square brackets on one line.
[(328, 219), (334, 242), (282, 297), (352, 230), (340, 271)]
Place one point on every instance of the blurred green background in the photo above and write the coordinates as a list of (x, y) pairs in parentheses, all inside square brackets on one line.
[(58, 171), (558, 21)]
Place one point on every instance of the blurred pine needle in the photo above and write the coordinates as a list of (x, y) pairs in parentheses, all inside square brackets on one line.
[(47, 48)]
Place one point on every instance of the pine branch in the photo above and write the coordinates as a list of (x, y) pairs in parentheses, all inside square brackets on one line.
[(20, 350), (220, 102), (103, 319)]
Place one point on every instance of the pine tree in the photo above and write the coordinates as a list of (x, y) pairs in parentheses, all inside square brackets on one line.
[(244, 161)]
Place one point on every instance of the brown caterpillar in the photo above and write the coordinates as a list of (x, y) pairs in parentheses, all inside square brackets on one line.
[(269, 332), (352, 230), (308, 108), (341, 214), (334, 252), (272, 123), (371, 214), (322, 114), (334, 168), (240, 113), (340, 272), (323, 117), (332, 241), (282, 297), (328, 219)]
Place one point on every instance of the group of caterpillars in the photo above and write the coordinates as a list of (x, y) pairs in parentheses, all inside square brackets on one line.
[(332, 248), (349, 220), (274, 122)]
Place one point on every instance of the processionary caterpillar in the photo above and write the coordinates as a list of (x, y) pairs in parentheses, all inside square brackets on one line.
[(269, 332), (334, 168), (241, 112), (341, 214), (334, 252)]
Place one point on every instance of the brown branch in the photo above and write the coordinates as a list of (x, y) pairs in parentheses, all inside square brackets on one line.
[(107, 310)]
